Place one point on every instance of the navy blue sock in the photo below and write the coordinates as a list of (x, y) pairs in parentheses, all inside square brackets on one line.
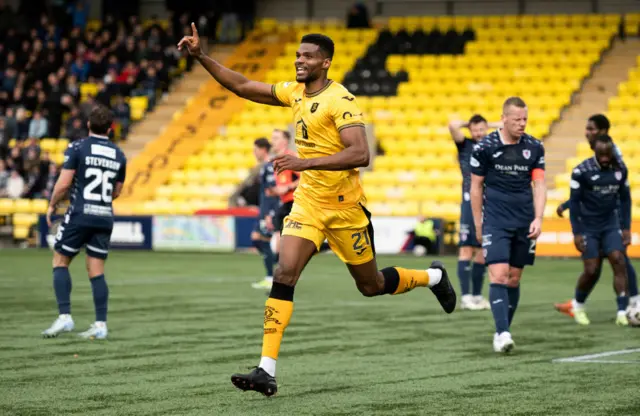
[(264, 248), (100, 296), (464, 274), (623, 302), (580, 296), (499, 298), (62, 289), (514, 298), (477, 278), (633, 278)]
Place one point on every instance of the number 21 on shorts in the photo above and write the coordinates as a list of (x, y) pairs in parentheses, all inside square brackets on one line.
[(360, 241)]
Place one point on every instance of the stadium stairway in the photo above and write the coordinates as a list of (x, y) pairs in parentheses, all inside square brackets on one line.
[(156, 121), (593, 97), (190, 128)]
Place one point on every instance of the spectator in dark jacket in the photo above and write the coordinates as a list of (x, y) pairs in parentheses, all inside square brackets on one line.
[(50, 181), (122, 116), (77, 130), (4, 139), (80, 69)]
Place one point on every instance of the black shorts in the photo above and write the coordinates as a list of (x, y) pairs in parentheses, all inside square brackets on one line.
[(508, 245), (71, 237), (281, 213)]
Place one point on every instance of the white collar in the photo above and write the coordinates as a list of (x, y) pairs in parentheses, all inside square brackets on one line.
[(99, 136), (502, 138)]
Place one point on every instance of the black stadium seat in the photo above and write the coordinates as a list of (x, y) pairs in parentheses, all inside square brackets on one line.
[(369, 76)]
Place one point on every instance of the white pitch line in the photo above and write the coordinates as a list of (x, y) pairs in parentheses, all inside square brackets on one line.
[(593, 357), (610, 361)]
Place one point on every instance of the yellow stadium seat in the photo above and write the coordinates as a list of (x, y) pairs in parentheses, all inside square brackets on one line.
[(48, 145), (39, 206), (7, 206), (21, 233), (22, 206), (61, 145), (87, 89), (25, 220), (138, 107)]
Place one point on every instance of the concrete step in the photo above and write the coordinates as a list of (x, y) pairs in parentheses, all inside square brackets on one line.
[(593, 98)]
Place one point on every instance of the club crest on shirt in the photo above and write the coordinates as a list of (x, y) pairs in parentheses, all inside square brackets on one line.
[(314, 107), (526, 153), (618, 175)]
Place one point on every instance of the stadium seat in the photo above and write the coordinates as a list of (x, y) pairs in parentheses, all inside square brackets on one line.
[(21, 233), (7, 206), (23, 206), (39, 206), (138, 106), (24, 220), (88, 89)]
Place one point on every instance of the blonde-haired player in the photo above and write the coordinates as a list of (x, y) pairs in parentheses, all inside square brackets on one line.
[(329, 201)]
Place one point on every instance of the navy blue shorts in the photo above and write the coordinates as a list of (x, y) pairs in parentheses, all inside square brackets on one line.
[(467, 236), (261, 228), (602, 243), (71, 237), (508, 245)]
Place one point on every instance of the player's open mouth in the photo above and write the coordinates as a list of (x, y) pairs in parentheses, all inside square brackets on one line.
[(301, 71)]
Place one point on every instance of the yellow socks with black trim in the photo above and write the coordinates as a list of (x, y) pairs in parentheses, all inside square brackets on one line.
[(398, 280), (277, 314)]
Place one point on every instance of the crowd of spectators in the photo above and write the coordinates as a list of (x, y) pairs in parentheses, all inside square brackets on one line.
[(43, 66)]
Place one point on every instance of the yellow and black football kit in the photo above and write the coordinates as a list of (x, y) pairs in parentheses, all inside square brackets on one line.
[(327, 204)]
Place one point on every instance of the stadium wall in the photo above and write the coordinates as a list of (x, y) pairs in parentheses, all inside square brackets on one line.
[(230, 230), (321, 9)]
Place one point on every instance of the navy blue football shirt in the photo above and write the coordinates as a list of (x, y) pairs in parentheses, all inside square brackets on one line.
[(465, 149), (268, 204), (596, 195), (507, 170), (99, 164), (618, 153)]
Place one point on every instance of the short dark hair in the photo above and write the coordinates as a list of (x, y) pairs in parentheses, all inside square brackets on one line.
[(324, 43), (262, 143), (603, 138), (514, 101), (100, 120), (477, 118), (601, 121), (285, 133)]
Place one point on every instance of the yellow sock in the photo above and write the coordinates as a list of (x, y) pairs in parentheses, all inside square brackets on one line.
[(410, 278), (277, 314)]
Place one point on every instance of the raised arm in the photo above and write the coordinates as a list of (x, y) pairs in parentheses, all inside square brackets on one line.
[(231, 80), (455, 129)]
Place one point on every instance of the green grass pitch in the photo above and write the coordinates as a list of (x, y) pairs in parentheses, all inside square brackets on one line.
[(181, 324)]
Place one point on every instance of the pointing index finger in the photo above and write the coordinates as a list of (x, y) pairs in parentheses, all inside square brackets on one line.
[(194, 29)]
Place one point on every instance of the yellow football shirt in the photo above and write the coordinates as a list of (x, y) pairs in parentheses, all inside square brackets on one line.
[(318, 119)]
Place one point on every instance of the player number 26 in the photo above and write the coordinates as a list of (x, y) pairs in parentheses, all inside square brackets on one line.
[(100, 177)]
